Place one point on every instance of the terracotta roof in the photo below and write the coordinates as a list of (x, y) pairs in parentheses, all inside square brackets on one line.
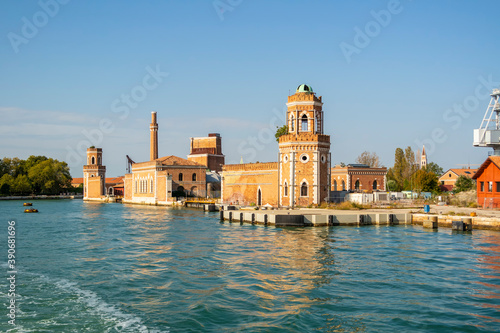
[(489, 160), (462, 172), (114, 180), (174, 160), (76, 181)]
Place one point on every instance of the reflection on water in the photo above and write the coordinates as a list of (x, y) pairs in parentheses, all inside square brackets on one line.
[(165, 269)]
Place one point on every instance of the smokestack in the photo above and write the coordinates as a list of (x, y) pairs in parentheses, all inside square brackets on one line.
[(153, 128)]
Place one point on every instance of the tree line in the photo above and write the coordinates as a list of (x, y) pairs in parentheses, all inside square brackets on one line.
[(33, 176), (407, 175)]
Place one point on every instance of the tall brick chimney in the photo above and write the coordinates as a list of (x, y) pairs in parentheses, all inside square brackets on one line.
[(153, 128)]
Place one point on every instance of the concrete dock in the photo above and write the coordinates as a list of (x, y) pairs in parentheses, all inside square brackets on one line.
[(302, 218)]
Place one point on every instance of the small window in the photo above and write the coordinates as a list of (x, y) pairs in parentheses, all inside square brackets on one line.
[(304, 123), (343, 185), (303, 190), (490, 186), (442, 182), (286, 190), (180, 177), (498, 186), (93, 160), (151, 186), (292, 124), (356, 185), (482, 186), (335, 185), (194, 177), (374, 184), (449, 175)]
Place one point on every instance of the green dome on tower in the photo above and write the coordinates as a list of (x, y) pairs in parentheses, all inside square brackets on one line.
[(304, 88)]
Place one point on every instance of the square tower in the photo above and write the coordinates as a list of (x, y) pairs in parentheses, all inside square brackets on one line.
[(304, 152), (94, 175)]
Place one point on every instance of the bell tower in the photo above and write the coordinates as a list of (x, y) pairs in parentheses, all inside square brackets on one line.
[(94, 175), (304, 152)]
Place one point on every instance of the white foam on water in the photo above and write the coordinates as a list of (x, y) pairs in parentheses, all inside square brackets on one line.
[(110, 314)]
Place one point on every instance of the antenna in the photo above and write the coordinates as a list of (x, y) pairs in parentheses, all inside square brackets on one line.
[(488, 134)]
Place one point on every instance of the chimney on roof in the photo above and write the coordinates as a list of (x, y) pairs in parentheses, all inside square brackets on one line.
[(153, 129)]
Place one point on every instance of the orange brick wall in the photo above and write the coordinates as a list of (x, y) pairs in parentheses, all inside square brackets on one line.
[(241, 183)]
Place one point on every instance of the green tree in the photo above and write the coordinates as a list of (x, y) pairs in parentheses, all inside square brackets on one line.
[(404, 168), (433, 167), (280, 131), (5, 184), (21, 185), (392, 185), (425, 181), (463, 184), (368, 158), (50, 177)]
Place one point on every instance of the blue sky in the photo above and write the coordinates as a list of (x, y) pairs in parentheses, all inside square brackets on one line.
[(418, 72)]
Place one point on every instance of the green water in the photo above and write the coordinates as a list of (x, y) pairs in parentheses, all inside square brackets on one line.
[(86, 267)]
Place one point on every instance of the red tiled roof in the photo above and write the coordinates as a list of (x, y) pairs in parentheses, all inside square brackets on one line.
[(115, 180), (77, 181), (174, 160)]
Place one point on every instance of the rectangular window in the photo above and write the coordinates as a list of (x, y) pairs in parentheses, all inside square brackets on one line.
[(482, 186), (498, 186), (490, 186), (151, 186)]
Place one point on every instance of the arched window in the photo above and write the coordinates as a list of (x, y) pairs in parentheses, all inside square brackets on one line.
[(194, 191), (292, 124), (303, 190), (151, 186), (180, 177), (145, 186), (374, 184), (343, 185), (335, 185), (356, 185), (99, 160), (194, 177), (285, 191), (304, 123), (93, 160), (135, 189), (259, 197)]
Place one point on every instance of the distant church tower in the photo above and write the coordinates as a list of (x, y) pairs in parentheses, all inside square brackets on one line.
[(423, 159), (304, 153), (94, 175), (153, 128)]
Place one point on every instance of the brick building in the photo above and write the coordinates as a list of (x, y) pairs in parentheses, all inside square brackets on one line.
[(359, 178), (156, 181), (153, 182), (302, 174), (448, 179), (488, 183), (207, 151)]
